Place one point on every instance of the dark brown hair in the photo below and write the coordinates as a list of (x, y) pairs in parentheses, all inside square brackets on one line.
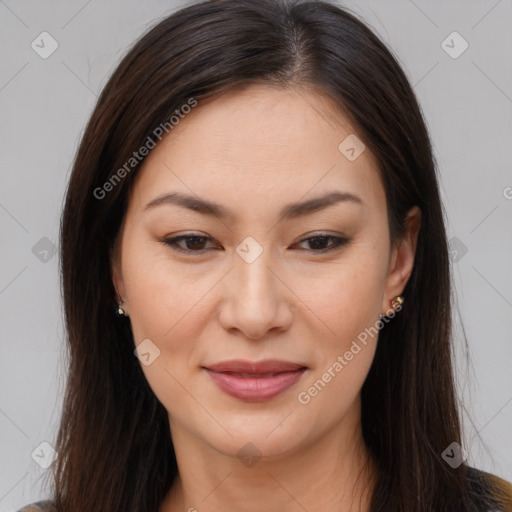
[(114, 445)]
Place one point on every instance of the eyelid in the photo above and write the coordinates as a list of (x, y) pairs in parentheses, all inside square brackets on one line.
[(173, 242), (340, 241)]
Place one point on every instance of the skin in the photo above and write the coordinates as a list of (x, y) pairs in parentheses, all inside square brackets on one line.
[(254, 151)]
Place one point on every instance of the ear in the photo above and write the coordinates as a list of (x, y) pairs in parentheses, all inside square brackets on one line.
[(117, 275), (402, 259)]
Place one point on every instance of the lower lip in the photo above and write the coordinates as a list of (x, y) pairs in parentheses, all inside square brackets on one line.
[(255, 389)]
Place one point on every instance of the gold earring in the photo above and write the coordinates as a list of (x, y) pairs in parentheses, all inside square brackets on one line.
[(397, 301)]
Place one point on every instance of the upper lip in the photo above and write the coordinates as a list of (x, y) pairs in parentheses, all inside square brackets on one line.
[(244, 366)]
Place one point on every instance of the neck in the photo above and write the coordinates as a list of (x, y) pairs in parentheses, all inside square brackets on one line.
[(334, 473)]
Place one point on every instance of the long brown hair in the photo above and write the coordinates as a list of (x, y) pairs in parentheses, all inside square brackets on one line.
[(114, 444)]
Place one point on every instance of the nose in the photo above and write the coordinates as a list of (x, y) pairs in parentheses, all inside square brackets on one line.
[(256, 299)]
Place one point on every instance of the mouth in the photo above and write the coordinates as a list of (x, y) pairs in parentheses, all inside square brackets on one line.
[(255, 381)]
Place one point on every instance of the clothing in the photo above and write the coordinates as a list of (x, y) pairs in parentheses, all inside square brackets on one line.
[(495, 489), (482, 484)]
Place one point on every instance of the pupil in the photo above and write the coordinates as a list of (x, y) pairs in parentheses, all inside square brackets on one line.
[(196, 240), (317, 242)]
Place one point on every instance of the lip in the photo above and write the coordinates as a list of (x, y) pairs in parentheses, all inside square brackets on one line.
[(255, 381)]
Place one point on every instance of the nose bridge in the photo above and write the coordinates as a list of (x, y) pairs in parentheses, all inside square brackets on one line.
[(254, 281), (257, 300)]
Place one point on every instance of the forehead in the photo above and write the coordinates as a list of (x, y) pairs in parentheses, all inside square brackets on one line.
[(257, 146)]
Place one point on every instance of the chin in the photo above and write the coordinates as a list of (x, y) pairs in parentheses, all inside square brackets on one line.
[(270, 436)]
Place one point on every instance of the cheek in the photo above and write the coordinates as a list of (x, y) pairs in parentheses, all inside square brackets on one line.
[(350, 309), (164, 297), (347, 300), (346, 296), (165, 308)]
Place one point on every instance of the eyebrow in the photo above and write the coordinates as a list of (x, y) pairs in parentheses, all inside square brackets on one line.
[(290, 211)]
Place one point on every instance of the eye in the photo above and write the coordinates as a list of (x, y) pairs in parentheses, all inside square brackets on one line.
[(318, 243), (193, 243)]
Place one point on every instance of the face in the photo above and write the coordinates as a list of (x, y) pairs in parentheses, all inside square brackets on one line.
[(253, 278)]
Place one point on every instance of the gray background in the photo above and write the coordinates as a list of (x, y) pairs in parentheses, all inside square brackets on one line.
[(45, 104)]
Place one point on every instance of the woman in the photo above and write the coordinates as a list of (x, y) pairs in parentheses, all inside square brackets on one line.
[(256, 195)]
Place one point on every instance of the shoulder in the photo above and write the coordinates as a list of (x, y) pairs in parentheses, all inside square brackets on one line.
[(495, 491), (39, 506)]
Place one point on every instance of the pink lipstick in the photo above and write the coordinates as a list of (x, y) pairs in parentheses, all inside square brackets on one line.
[(255, 381)]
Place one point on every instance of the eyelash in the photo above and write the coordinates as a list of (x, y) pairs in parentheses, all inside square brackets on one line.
[(173, 243)]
